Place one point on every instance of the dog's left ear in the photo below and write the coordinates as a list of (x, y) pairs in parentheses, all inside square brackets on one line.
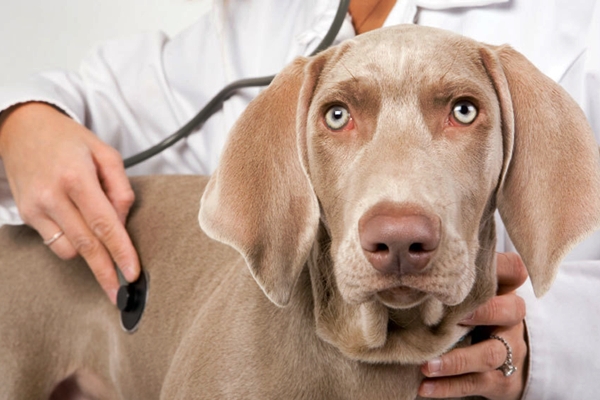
[(260, 200), (549, 192)]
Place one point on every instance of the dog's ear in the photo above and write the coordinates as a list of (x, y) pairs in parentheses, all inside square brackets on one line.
[(260, 200), (549, 191)]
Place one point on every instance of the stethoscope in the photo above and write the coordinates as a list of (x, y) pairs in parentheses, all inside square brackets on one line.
[(216, 102), (132, 297)]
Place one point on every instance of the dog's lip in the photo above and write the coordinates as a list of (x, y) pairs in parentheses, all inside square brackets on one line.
[(401, 297)]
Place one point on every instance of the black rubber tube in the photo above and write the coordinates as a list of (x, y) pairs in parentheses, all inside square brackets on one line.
[(216, 102)]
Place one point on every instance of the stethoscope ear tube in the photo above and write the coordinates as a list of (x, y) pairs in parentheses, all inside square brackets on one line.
[(216, 102)]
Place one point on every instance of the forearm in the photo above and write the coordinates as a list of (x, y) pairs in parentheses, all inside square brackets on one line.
[(563, 330)]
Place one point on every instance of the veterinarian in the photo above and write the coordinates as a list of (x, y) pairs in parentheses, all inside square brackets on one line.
[(63, 136)]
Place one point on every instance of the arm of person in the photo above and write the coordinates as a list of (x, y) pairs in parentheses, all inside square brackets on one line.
[(563, 326), (563, 331), (562, 358), (66, 181), (71, 188), (131, 93), (472, 370)]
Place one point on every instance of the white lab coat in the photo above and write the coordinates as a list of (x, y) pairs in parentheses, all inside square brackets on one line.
[(134, 91)]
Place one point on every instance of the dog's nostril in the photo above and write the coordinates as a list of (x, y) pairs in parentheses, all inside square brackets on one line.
[(416, 248), (381, 248), (399, 240)]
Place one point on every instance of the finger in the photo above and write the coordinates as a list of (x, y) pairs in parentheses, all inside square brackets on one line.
[(102, 220), (481, 357), (491, 385), (114, 181), (47, 228), (456, 387), (506, 310), (63, 248), (87, 245), (60, 245), (511, 272)]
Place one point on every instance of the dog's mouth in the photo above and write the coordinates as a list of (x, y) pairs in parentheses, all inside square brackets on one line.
[(401, 297)]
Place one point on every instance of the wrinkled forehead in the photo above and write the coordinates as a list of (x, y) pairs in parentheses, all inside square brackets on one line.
[(415, 59)]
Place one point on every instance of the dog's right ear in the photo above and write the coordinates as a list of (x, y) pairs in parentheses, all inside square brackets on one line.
[(260, 200)]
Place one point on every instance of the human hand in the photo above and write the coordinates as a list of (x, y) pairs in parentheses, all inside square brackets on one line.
[(471, 371), (64, 179)]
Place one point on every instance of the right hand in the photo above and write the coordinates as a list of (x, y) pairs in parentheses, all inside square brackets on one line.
[(63, 178), (471, 370)]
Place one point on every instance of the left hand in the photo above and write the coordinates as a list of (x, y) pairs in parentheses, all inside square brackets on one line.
[(471, 371)]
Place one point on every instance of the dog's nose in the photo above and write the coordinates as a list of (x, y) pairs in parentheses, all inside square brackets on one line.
[(399, 240)]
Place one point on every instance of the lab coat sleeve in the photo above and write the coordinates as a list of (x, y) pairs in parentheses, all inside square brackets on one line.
[(136, 91), (120, 93), (100, 90), (563, 326)]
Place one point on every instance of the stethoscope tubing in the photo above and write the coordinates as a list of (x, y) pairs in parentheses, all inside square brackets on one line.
[(217, 101)]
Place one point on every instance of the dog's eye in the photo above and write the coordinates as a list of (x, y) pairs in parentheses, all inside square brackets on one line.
[(337, 117), (464, 112)]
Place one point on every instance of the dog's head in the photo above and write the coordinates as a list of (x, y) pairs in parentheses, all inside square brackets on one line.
[(387, 157)]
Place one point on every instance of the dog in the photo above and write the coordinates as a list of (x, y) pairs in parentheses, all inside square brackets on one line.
[(348, 229)]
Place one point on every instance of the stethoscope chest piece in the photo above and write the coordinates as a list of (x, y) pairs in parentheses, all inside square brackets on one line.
[(131, 300)]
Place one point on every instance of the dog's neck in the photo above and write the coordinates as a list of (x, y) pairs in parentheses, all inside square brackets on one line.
[(372, 332)]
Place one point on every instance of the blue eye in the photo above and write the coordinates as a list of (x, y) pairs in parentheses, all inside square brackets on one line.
[(464, 112), (337, 117)]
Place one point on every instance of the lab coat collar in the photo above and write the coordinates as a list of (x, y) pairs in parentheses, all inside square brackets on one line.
[(446, 4), (405, 11)]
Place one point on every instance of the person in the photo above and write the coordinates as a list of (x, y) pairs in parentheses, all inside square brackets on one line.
[(61, 172)]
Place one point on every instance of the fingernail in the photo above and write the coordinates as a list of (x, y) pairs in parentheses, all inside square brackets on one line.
[(468, 318), (130, 273), (112, 295), (427, 388), (434, 366)]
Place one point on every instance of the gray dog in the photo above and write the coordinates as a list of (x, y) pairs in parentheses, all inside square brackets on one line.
[(351, 227)]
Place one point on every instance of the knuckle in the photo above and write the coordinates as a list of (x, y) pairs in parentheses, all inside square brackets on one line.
[(124, 198), (70, 180), (495, 382), (457, 363), (44, 197), (34, 206), (494, 355), (86, 245), (491, 310), (103, 275), (519, 267), (28, 212), (109, 155), (505, 385), (120, 255), (102, 228), (468, 385), (443, 388), (66, 253), (521, 308), (516, 266)]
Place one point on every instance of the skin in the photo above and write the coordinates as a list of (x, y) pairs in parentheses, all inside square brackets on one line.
[(472, 370), (64, 178)]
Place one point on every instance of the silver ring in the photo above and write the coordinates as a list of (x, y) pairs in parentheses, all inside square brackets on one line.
[(507, 368), (54, 238)]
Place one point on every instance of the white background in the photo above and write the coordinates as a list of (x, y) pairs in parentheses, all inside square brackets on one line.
[(37, 35)]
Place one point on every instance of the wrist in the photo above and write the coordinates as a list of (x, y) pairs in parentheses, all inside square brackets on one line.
[(9, 118)]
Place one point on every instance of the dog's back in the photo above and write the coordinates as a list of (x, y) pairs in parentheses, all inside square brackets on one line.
[(57, 322), (208, 330), (316, 301)]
